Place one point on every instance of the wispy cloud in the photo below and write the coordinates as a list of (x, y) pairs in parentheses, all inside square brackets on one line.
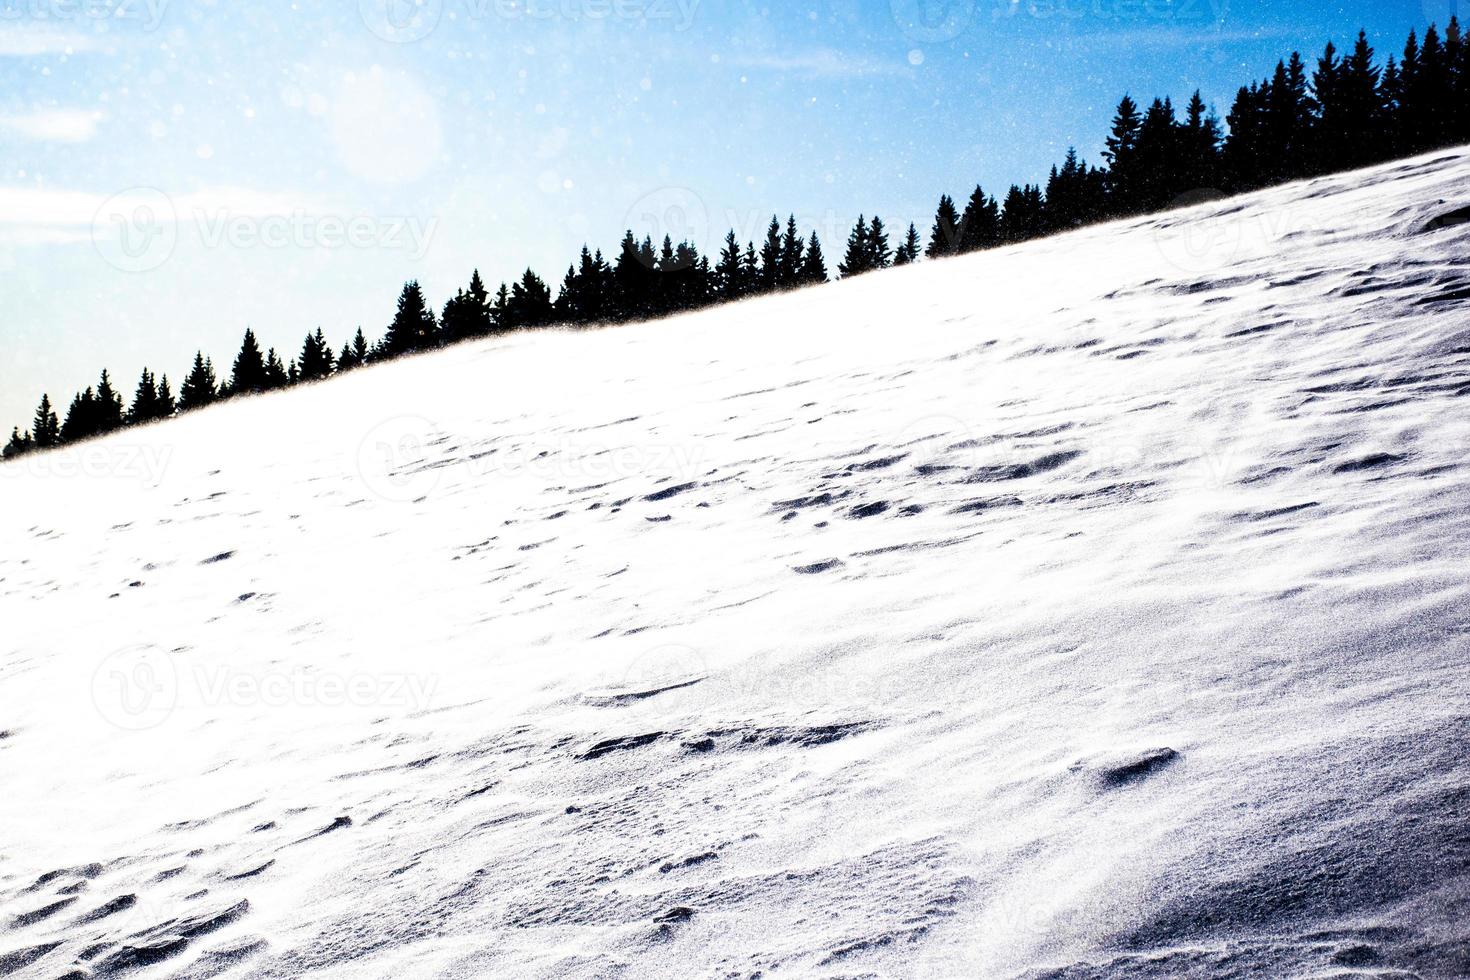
[(820, 63), (31, 42), (1167, 38), (43, 215), (54, 125)]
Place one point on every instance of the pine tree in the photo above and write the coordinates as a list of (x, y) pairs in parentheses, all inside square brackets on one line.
[(276, 375), (19, 444), (980, 224), (633, 276), (793, 252), (108, 406), (859, 256), (145, 401), (200, 387), (908, 252), (354, 353), (944, 238), (248, 375), (45, 427), (1122, 147), (730, 272), (164, 402), (880, 255), (315, 361), (414, 327), (814, 266), (81, 417), (530, 301), (771, 258)]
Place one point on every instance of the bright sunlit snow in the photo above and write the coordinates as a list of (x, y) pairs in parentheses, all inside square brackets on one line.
[(1094, 606)]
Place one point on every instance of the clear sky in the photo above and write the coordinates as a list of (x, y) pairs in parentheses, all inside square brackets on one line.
[(172, 171)]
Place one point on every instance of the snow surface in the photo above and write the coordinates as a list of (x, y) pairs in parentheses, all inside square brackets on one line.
[(1091, 608)]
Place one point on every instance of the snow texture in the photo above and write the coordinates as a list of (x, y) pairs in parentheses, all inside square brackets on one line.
[(1091, 608)]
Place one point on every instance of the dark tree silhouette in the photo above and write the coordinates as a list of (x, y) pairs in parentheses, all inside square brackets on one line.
[(200, 387), (814, 266), (980, 224), (45, 427), (413, 327), (908, 252), (248, 374), (944, 238), (315, 360)]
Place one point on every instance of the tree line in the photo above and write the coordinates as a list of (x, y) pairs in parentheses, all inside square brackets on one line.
[(1345, 112)]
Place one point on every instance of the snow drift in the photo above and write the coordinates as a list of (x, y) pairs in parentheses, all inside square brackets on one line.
[(1091, 608)]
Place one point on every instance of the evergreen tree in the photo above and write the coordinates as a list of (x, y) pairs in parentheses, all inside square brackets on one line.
[(108, 406), (908, 252), (248, 375), (45, 427), (164, 405), (413, 327), (200, 387), (793, 252), (859, 255), (145, 401), (19, 444), (354, 353), (276, 375), (81, 418), (633, 274), (814, 266), (944, 238), (730, 272), (980, 224), (1122, 147), (771, 258), (880, 256), (530, 301), (500, 310), (315, 361)]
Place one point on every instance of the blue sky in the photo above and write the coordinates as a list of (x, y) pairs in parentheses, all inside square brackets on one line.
[(172, 171)]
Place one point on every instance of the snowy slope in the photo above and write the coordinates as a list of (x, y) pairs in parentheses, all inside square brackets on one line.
[(1092, 608)]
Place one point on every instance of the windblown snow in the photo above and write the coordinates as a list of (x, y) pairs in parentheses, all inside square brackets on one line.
[(1091, 608)]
